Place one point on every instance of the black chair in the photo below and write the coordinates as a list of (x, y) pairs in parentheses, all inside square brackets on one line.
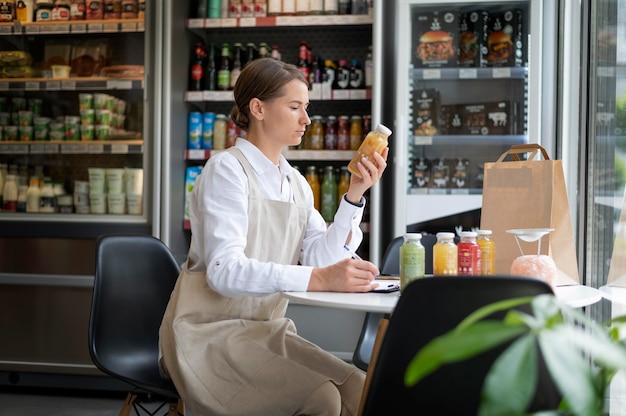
[(134, 277), (390, 266), (426, 309)]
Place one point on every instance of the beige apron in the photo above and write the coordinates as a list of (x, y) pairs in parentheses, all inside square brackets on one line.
[(240, 355)]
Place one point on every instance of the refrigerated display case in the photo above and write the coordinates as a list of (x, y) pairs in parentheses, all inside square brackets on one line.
[(461, 82), (48, 258)]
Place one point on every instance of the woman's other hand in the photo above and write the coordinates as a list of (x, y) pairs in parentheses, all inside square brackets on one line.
[(348, 275)]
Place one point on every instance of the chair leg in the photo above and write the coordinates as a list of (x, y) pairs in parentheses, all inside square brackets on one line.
[(380, 334), (128, 404), (176, 408)]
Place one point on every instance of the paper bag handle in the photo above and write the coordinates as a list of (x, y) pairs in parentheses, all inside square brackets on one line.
[(517, 149)]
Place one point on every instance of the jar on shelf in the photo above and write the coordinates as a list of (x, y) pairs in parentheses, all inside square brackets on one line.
[(314, 183), (331, 133), (316, 141), (412, 257), (487, 252), (329, 194)]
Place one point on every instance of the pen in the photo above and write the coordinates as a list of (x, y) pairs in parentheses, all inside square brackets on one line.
[(353, 254)]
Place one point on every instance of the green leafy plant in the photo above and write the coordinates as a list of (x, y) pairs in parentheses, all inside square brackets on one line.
[(581, 355)]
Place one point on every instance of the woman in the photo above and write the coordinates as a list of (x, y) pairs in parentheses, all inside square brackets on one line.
[(224, 339)]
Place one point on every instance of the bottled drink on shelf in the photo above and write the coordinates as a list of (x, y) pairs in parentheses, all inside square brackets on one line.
[(232, 131), (344, 182), (487, 252), (303, 7), (330, 72), (9, 194), (343, 75), (329, 194), (345, 6), (303, 62), (360, 7), (316, 75), (469, 254), (223, 75), (214, 9), (47, 201), (33, 194), (343, 133), (289, 8), (210, 74), (274, 7), (317, 133), (375, 141), (208, 121), (367, 125), (412, 263), (356, 75), (314, 183), (356, 132), (276, 53), (445, 255), (316, 7), (234, 8), (219, 132), (251, 52), (197, 67), (264, 50), (330, 133), (331, 7), (21, 198), (194, 130), (234, 74)]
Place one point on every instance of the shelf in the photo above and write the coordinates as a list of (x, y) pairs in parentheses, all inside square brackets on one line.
[(325, 155), (314, 95), (468, 73), (71, 84), (73, 27), (274, 21), (105, 147), (456, 140)]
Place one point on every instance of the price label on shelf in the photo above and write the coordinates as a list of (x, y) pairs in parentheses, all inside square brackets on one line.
[(211, 23), (118, 84), (36, 149), (95, 149), (59, 29), (32, 86), (78, 28), (468, 73), (4, 86), (247, 22), (6, 30), (501, 73), (14, 149), (110, 27), (94, 27), (31, 29), (195, 23), (141, 27), (53, 85), (119, 148), (196, 154), (68, 85), (72, 149), (50, 148), (229, 22), (128, 27), (195, 96), (432, 74)]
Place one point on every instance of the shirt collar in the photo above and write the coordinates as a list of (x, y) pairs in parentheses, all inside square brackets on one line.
[(259, 162)]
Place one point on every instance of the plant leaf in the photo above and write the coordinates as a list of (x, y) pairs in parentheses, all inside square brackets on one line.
[(571, 373), (510, 384), (491, 308), (455, 346)]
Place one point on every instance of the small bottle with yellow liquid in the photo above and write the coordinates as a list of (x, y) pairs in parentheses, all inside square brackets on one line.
[(445, 255), (487, 252), (375, 141)]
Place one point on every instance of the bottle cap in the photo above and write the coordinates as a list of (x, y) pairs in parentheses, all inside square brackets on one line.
[(384, 129), (468, 234), (445, 235), (412, 236), (484, 232)]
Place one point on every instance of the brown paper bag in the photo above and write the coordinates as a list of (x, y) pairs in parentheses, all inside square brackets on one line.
[(529, 194), (617, 269)]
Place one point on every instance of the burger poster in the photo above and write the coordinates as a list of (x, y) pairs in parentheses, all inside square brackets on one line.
[(434, 38), (504, 40)]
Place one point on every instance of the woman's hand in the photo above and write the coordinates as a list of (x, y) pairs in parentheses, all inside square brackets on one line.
[(348, 275), (370, 172)]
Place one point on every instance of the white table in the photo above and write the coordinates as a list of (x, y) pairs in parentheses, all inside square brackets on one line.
[(615, 294), (575, 296)]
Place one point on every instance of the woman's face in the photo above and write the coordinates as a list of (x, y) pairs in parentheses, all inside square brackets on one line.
[(285, 118)]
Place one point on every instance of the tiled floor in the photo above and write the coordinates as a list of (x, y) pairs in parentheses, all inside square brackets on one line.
[(61, 402)]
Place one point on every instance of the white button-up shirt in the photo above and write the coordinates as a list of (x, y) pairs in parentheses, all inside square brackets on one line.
[(218, 208)]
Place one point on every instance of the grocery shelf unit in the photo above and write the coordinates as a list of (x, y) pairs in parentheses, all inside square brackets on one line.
[(48, 260), (344, 37)]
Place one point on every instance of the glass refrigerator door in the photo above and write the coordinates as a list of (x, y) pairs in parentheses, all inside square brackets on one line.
[(467, 87)]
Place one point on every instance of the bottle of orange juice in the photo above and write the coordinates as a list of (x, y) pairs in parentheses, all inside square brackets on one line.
[(445, 255), (375, 141), (314, 182)]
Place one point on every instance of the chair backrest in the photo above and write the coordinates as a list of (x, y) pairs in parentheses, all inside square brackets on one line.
[(426, 309), (134, 277)]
